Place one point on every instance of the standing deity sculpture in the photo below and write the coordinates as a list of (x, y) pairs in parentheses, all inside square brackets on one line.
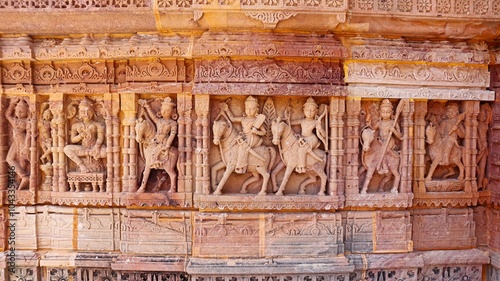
[(443, 141), (155, 133), (378, 139), (302, 153), (484, 119), (242, 151), (18, 155), (45, 132), (87, 138)]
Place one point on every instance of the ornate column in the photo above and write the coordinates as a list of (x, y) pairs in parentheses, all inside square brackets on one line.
[(419, 147), (184, 137), (469, 159), (407, 148), (202, 145), (59, 139), (336, 182), (129, 107), (351, 163)]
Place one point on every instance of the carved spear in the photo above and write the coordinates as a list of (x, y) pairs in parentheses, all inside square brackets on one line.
[(399, 109)]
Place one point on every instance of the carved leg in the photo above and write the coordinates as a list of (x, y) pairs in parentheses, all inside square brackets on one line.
[(324, 178), (368, 178), (173, 180), (433, 167), (94, 186), (215, 168), (265, 179), (288, 173), (145, 179), (248, 181), (223, 181), (274, 173), (397, 178)]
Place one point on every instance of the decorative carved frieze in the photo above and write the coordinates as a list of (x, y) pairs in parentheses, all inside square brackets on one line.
[(417, 74), (77, 5), (268, 45), (419, 93), (450, 228), (270, 71), (405, 50), (446, 9), (265, 89), (82, 72), (155, 70), (16, 73)]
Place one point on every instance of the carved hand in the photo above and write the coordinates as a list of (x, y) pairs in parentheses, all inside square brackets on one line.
[(14, 100), (143, 103)]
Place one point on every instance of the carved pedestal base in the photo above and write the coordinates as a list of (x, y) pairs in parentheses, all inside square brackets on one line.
[(398, 200), (445, 199), (444, 186), (173, 199), (267, 202), (77, 198), (90, 181)]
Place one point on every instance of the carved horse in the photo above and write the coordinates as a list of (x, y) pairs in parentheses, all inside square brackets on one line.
[(288, 143), (436, 143), (226, 137), (372, 152), (145, 131)]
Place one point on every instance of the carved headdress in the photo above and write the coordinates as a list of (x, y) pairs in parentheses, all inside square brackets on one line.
[(386, 103), (310, 102), (251, 102)]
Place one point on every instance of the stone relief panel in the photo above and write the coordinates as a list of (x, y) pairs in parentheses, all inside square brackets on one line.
[(450, 228), (84, 155), (493, 229), (158, 149), (50, 73), (459, 272), (379, 152), (446, 135), (494, 158), (16, 73), (271, 147)]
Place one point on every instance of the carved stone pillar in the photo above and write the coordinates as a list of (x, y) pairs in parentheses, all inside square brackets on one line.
[(351, 163), (336, 181), (419, 147), (59, 139), (202, 145), (184, 108), (129, 108)]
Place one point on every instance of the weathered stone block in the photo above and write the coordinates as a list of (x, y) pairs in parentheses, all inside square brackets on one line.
[(155, 232), (446, 228), (379, 231)]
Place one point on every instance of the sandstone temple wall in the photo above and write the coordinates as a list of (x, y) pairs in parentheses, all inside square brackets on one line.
[(249, 140)]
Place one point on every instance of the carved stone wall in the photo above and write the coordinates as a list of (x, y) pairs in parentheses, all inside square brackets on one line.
[(244, 155)]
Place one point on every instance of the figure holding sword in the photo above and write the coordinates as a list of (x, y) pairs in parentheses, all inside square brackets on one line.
[(251, 134)]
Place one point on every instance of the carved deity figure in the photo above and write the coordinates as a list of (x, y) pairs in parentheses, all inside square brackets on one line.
[(484, 119), (379, 145), (18, 156), (45, 133), (251, 134), (312, 130), (87, 137), (156, 134), (444, 149), (44, 130), (302, 153)]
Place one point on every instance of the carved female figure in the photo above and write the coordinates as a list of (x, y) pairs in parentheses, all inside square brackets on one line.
[(159, 153), (89, 133), (484, 120), (251, 134), (18, 155), (44, 127)]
